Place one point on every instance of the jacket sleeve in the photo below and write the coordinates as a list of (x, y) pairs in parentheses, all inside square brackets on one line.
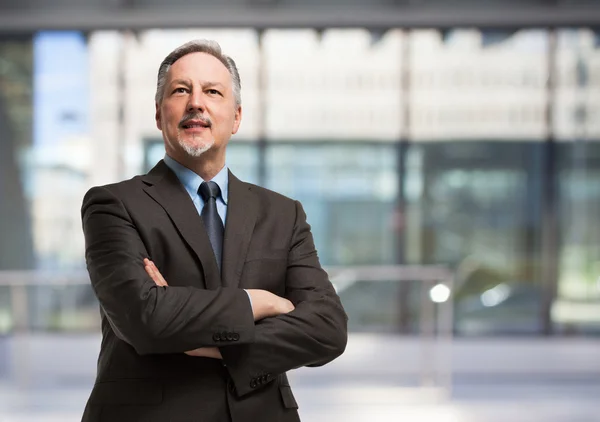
[(313, 334), (150, 318)]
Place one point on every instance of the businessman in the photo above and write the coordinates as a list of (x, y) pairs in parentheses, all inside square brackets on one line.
[(210, 288)]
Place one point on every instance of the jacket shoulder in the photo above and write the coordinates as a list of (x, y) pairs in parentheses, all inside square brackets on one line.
[(120, 187), (270, 195), (112, 192)]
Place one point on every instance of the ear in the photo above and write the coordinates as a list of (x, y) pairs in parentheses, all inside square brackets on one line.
[(237, 120), (157, 117)]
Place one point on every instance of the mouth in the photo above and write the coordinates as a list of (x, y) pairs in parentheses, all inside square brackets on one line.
[(195, 124)]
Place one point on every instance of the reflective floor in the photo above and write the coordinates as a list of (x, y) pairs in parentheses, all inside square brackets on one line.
[(535, 403), (493, 381)]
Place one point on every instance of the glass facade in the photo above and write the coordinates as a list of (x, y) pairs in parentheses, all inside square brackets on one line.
[(474, 149), (578, 180), (349, 192)]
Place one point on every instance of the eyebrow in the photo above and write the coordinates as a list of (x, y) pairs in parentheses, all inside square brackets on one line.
[(213, 84), (188, 83), (180, 82)]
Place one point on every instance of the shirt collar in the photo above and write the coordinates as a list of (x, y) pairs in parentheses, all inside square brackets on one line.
[(191, 181)]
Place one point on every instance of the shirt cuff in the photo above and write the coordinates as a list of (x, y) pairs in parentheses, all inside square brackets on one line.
[(249, 298)]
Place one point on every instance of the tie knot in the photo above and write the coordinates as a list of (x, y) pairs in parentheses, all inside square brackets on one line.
[(209, 190)]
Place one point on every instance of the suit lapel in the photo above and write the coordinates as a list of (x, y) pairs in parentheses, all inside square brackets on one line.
[(242, 211), (166, 189)]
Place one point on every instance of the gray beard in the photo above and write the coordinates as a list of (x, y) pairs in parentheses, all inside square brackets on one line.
[(195, 151)]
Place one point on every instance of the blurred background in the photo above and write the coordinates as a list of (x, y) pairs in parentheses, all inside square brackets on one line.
[(447, 154)]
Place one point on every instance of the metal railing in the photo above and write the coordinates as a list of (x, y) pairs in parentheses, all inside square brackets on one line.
[(435, 325)]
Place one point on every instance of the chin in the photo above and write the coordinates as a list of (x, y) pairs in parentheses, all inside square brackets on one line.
[(196, 149)]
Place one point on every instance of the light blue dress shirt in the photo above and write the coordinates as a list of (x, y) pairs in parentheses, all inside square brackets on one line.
[(191, 182)]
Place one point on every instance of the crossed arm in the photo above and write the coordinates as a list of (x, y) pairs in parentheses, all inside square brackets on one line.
[(264, 304)]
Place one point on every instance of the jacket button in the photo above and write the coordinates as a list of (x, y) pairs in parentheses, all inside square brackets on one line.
[(224, 335), (236, 336), (264, 379), (229, 336), (217, 337), (253, 384)]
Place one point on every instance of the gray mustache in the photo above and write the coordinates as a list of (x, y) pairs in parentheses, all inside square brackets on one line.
[(204, 120)]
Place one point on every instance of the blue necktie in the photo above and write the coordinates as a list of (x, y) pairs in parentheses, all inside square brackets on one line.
[(210, 216)]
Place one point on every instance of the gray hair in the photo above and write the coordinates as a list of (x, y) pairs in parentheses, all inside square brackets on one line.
[(198, 46)]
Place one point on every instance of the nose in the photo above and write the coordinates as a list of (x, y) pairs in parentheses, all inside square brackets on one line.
[(196, 102)]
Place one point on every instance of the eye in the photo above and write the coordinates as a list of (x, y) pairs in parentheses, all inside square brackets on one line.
[(179, 90), (213, 92)]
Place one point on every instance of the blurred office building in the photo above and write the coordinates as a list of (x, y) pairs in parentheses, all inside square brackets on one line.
[(450, 172), (443, 136)]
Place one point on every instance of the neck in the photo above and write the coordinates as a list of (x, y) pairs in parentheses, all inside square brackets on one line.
[(207, 166)]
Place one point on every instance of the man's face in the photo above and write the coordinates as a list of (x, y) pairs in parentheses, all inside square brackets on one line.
[(198, 110)]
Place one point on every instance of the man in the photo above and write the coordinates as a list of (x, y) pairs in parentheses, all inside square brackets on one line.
[(210, 288)]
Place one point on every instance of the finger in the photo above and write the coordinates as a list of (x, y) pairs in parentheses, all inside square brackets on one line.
[(156, 279), (291, 306), (153, 275), (158, 274), (149, 272), (148, 269)]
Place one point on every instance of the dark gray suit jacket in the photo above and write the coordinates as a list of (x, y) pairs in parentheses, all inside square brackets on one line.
[(143, 374)]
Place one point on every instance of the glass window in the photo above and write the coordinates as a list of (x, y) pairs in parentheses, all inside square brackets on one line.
[(349, 193), (472, 182), (477, 209), (16, 113), (577, 127)]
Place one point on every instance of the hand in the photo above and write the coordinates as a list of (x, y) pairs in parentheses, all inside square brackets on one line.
[(153, 272), (206, 352), (265, 304)]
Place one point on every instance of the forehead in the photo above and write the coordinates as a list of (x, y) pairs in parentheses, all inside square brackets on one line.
[(202, 67)]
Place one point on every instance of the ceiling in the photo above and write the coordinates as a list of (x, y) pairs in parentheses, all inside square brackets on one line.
[(23, 16)]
